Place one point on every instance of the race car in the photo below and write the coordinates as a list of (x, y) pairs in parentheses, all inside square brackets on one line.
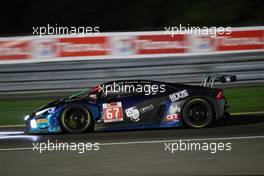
[(133, 104)]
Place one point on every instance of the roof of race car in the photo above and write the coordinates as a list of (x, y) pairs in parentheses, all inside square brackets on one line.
[(135, 82)]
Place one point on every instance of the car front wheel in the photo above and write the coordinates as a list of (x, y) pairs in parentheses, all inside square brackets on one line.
[(76, 119)]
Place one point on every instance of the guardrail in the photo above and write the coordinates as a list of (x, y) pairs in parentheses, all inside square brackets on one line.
[(129, 45), (75, 75)]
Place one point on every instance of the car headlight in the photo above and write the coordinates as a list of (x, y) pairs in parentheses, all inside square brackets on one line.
[(33, 123), (48, 110), (26, 117)]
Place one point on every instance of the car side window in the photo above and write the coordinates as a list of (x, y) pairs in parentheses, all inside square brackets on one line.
[(115, 94)]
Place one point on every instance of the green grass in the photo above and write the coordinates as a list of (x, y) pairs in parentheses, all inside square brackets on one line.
[(14, 111), (246, 99)]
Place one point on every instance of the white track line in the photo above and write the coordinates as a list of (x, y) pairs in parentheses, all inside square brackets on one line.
[(16, 149), (10, 132), (152, 142), (11, 126), (19, 136)]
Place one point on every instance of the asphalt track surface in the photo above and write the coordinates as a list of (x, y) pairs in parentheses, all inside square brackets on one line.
[(139, 152)]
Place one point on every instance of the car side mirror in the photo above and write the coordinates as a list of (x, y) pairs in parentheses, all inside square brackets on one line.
[(228, 78)]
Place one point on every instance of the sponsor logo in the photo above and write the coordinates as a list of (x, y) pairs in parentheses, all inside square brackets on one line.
[(178, 95), (84, 46), (123, 45), (240, 40), (93, 96), (172, 117), (151, 45), (42, 121), (174, 109), (202, 43), (133, 114), (146, 108), (44, 48), (159, 44), (14, 49)]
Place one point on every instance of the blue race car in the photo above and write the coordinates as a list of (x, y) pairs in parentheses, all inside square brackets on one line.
[(133, 104)]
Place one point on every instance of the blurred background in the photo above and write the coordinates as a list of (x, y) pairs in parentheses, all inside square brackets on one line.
[(37, 69)]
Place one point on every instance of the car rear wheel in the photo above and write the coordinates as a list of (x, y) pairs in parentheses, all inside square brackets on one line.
[(76, 119), (197, 113)]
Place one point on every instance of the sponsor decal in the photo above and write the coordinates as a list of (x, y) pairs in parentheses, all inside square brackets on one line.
[(112, 112), (42, 121), (83, 46), (174, 109), (14, 49), (93, 96), (159, 44), (240, 40), (44, 48), (178, 95), (146, 108), (202, 43), (178, 109), (172, 117), (133, 114), (123, 45)]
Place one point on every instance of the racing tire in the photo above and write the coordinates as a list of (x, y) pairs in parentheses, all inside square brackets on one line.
[(197, 113), (76, 118)]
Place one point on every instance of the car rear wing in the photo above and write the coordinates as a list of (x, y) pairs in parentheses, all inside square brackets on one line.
[(210, 79)]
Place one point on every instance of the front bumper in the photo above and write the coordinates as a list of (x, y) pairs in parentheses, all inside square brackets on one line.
[(45, 123)]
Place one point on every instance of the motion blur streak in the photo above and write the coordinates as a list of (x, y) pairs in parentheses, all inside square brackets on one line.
[(10, 132), (16, 135), (33, 138)]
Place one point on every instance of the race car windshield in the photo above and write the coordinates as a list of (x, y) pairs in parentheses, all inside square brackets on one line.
[(91, 93)]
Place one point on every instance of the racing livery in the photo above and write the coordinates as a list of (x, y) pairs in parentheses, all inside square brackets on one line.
[(132, 104)]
